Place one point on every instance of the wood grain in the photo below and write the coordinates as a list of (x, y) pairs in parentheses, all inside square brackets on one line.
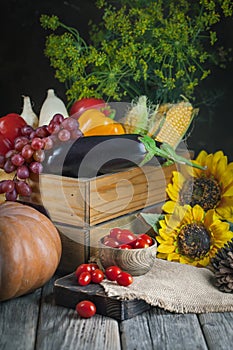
[(81, 202), (18, 322), (75, 247), (62, 328), (68, 293), (218, 330), (127, 191), (166, 332), (34, 322)]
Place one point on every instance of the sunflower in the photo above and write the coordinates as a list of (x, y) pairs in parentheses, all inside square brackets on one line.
[(211, 188), (191, 236)]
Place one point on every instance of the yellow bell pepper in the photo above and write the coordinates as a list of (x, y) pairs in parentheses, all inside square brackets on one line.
[(93, 122)]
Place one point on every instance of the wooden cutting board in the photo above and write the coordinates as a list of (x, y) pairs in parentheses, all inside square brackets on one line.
[(68, 293)]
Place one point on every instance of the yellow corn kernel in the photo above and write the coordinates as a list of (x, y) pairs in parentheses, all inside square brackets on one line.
[(176, 124)]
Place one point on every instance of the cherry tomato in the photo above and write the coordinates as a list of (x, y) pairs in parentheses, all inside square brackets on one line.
[(84, 278), (124, 279), (10, 127), (83, 104), (97, 276), (112, 272), (125, 237), (140, 243), (146, 238), (82, 268), (125, 246), (114, 232), (86, 309), (93, 266), (110, 242)]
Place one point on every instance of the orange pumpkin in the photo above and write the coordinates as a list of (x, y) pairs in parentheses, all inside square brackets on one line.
[(30, 249)]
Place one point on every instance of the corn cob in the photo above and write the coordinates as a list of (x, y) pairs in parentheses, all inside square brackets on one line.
[(136, 119), (177, 121), (157, 119)]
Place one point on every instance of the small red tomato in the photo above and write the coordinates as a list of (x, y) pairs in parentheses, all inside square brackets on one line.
[(114, 232), (82, 268), (140, 243), (10, 127), (86, 309), (112, 272), (84, 278), (93, 266), (97, 276), (125, 246), (146, 238), (124, 279), (110, 242), (125, 237)]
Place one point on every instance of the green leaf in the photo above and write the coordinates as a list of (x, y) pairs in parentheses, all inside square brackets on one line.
[(152, 219), (165, 151)]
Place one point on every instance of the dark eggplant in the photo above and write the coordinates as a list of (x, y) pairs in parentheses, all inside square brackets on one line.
[(96, 155)]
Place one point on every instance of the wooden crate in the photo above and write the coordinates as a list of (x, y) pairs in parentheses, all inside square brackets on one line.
[(88, 202)]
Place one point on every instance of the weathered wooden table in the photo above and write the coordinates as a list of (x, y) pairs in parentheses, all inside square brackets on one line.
[(34, 321)]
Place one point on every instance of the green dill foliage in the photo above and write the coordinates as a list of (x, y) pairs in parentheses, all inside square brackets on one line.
[(160, 49)]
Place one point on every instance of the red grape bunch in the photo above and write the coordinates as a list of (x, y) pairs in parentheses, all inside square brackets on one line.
[(29, 153)]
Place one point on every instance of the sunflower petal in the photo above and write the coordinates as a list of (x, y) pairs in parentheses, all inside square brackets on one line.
[(165, 248), (226, 179), (209, 218), (221, 167), (229, 192), (200, 159), (172, 193), (169, 207), (173, 257), (198, 213)]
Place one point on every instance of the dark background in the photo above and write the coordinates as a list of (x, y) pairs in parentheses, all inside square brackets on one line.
[(24, 70)]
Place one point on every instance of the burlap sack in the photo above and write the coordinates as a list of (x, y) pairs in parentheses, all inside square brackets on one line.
[(175, 287)]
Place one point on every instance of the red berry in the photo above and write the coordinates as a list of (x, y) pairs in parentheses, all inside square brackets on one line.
[(125, 237), (82, 268), (84, 279), (125, 246), (93, 266), (124, 279), (110, 242), (112, 272), (86, 309), (114, 232), (140, 243), (146, 238), (97, 276)]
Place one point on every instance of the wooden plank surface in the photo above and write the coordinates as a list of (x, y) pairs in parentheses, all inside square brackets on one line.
[(218, 330), (18, 322), (32, 322), (61, 328), (164, 331)]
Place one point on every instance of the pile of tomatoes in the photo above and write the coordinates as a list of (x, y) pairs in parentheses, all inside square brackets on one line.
[(126, 239), (91, 273)]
